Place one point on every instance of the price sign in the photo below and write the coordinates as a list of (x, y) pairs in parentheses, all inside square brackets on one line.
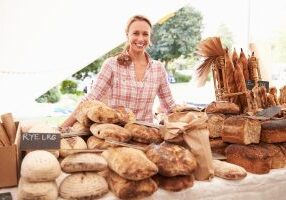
[(5, 196), (40, 141)]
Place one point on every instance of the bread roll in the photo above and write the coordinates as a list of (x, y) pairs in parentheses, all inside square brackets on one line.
[(175, 183), (228, 171), (171, 159), (128, 189), (241, 130), (252, 158), (130, 163), (82, 162)]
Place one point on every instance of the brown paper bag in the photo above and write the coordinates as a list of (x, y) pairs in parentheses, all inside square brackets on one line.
[(197, 138), (9, 126), (171, 130)]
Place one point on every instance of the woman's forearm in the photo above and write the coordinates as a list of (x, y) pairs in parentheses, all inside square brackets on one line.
[(68, 122)]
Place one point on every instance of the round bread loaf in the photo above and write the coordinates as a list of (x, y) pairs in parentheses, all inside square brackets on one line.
[(81, 162), (94, 142), (39, 166), (68, 145), (83, 186), (40, 190)]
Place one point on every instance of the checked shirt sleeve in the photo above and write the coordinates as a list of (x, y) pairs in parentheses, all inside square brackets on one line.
[(164, 93), (102, 83)]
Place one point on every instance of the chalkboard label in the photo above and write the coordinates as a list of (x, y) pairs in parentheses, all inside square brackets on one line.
[(5, 196), (250, 84), (40, 141)]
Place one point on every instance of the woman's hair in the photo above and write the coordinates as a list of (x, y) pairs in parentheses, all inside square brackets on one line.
[(123, 58)]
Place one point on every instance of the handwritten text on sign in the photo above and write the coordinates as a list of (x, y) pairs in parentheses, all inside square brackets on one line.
[(40, 141)]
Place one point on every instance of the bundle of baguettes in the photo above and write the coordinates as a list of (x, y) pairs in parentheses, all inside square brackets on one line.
[(7, 130)]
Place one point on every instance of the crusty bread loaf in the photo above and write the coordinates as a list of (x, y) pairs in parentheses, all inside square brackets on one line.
[(253, 158), (241, 130), (111, 132), (127, 189), (130, 163), (228, 171), (37, 190), (273, 131), (82, 162), (223, 107), (171, 159), (218, 145), (94, 142), (86, 185), (277, 155), (215, 124), (80, 128), (144, 134), (68, 145), (185, 117), (175, 183)]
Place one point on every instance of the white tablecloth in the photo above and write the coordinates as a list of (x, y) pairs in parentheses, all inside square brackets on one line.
[(270, 186)]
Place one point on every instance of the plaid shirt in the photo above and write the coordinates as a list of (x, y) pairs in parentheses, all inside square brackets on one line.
[(124, 90)]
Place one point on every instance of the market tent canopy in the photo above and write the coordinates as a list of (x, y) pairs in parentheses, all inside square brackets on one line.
[(43, 42)]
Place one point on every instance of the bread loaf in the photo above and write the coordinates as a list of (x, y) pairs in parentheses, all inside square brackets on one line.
[(128, 189), (111, 132), (80, 128), (171, 159), (80, 114), (241, 130), (228, 171), (215, 124), (82, 162), (94, 142), (144, 134), (223, 107), (40, 190), (87, 185), (68, 145), (218, 145), (253, 158), (277, 155), (185, 117), (273, 131), (130, 163), (175, 183), (40, 166)]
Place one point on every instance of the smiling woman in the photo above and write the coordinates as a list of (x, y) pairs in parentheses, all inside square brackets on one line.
[(132, 78)]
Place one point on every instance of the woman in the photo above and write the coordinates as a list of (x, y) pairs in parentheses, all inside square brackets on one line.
[(132, 78)]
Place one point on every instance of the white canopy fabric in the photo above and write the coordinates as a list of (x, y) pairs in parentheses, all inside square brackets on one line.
[(44, 41)]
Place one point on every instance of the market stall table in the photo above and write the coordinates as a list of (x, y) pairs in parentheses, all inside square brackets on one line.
[(263, 187)]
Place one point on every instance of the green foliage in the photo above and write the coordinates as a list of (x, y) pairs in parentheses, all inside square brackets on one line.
[(68, 87), (181, 78), (178, 36), (95, 65), (51, 96)]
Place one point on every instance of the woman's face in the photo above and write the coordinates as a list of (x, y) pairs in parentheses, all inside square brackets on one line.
[(139, 34)]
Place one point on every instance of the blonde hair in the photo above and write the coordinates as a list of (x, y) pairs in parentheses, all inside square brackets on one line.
[(123, 58)]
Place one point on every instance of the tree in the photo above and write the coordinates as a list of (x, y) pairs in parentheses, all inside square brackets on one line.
[(95, 65), (178, 36)]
